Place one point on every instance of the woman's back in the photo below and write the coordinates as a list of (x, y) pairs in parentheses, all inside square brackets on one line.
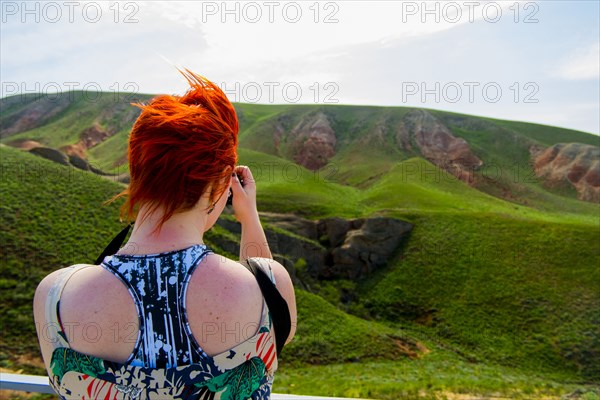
[(201, 309)]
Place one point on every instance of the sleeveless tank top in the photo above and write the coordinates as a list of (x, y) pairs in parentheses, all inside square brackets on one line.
[(158, 285), (167, 361)]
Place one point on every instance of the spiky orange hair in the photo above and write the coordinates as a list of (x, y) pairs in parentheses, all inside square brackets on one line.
[(178, 146)]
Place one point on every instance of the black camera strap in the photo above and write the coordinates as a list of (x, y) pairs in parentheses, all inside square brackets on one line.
[(280, 312), (278, 307), (114, 244)]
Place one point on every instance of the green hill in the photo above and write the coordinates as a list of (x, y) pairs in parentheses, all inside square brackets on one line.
[(495, 293), (454, 296), (52, 216), (351, 145)]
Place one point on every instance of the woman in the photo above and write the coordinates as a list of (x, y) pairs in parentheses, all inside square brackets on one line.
[(165, 316)]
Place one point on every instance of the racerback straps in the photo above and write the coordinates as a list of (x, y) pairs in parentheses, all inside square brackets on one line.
[(278, 307)]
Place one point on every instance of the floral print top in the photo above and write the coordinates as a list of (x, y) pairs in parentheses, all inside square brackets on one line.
[(167, 362)]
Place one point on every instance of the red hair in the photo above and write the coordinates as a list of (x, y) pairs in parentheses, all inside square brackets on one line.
[(178, 147)]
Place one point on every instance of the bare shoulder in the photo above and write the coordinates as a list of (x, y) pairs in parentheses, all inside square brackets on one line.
[(43, 288), (219, 283), (39, 312), (45, 284), (41, 292), (49, 280), (217, 265), (39, 306), (234, 283)]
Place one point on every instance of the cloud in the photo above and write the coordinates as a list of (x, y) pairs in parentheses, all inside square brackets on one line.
[(582, 64), (354, 52), (580, 116)]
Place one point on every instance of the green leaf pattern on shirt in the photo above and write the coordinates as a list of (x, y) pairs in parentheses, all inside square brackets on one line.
[(238, 383), (64, 360)]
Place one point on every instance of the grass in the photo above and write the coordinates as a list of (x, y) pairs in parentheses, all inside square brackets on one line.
[(503, 295), (510, 292), (287, 187), (438, 376), (53, 216), (416, 185), (366, 140), (327, 335)]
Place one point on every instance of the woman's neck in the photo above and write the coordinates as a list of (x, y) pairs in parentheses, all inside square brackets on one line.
[(181, 230)]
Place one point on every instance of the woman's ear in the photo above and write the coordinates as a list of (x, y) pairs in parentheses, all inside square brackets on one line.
[(228, 171), (204, 201), (210, 193)]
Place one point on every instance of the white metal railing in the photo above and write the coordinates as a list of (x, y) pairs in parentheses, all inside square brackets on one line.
[(41, 384), (25, 383)]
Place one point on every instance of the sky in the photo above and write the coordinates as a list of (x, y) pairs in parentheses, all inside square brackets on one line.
[(534, 61)]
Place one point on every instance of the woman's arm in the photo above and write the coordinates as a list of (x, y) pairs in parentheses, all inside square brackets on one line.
[(253, 242)]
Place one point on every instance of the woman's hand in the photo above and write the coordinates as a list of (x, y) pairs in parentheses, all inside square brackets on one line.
[(244, 197)]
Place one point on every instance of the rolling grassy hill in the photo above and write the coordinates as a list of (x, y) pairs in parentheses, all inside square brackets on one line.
[(462, 285), (367, 139), (502, 297), (52, 216)]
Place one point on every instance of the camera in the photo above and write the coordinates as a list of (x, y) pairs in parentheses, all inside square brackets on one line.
[(230, 198)]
